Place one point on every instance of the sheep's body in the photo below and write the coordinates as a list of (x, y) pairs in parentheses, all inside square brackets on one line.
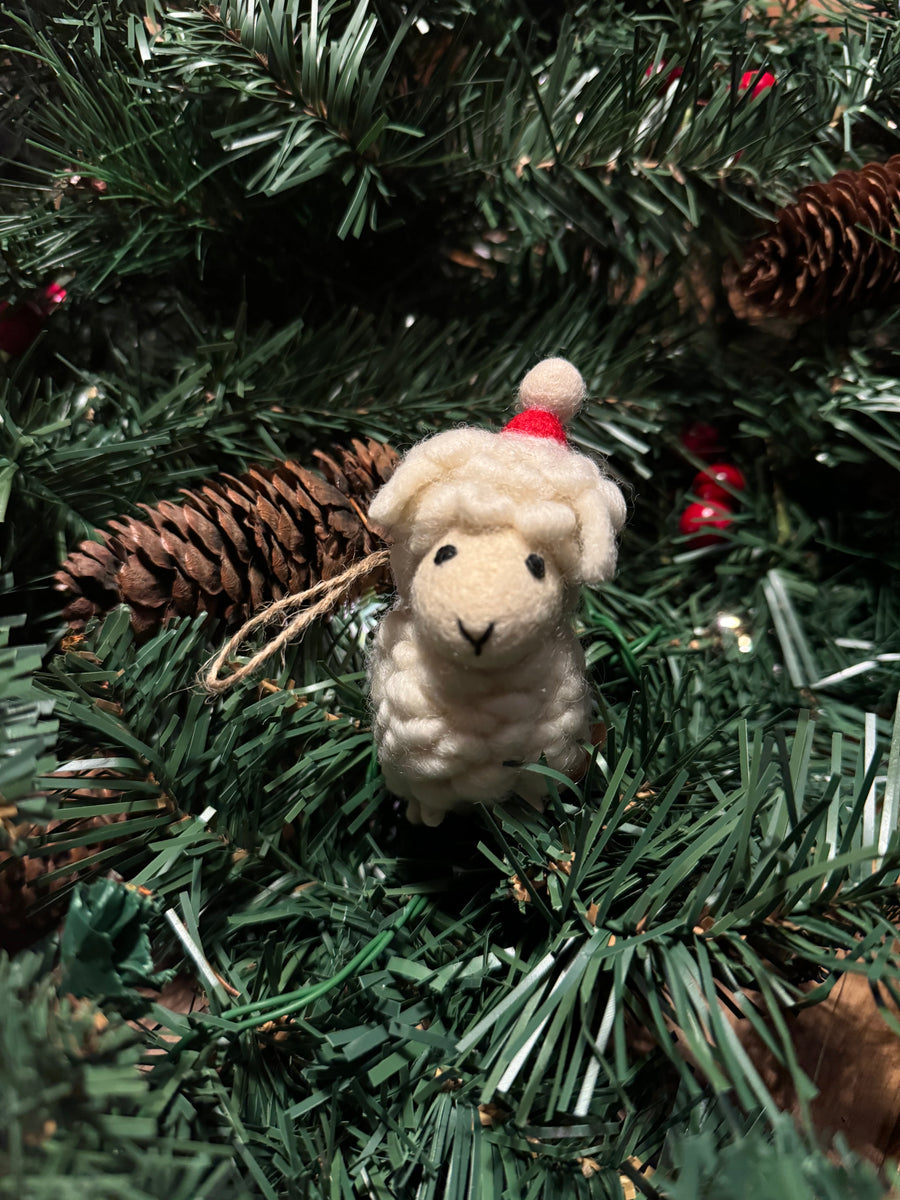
[(450, 736), (477, 671)]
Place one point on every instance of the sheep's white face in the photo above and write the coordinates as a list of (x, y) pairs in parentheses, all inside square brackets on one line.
[(487, 600)]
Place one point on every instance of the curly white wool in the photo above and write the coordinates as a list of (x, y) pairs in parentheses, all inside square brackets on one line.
[(482, 480), (453, 730), (449, 738)]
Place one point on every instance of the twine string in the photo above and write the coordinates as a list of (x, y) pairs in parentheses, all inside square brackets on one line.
[(330, 590)]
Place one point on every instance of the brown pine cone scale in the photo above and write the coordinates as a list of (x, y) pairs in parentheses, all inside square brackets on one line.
[(234, 544)]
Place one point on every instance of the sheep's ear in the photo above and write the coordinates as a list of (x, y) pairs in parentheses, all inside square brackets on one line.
[(601, 515), (394, 508)]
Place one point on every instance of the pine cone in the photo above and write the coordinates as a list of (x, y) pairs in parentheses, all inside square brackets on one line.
[(26, 910), (233, 545), (836, 247)]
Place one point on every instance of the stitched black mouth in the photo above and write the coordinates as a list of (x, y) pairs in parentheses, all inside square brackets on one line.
[(477, 643)]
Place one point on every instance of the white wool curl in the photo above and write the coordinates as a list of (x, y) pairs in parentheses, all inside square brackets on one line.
[(476, 480), (451, 738), (448, 734)]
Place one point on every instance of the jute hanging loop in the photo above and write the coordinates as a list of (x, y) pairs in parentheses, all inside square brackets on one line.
[(330, 591)]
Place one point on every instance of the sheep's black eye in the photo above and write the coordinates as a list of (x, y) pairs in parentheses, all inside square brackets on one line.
[(449, 551), (535, 565)]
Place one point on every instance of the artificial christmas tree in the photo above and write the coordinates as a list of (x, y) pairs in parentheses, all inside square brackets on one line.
[(285, 226)]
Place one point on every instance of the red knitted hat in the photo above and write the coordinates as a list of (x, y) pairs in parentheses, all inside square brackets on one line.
[(537, 423)]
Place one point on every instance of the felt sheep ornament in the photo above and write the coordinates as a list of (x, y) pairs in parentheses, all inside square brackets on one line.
[(476, 670)]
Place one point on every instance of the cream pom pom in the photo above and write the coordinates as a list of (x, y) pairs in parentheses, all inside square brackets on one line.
[(555, 386)]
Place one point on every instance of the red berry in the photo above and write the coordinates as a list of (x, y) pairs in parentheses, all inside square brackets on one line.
[(19, 326), (761, 80), (671, 78), (54, 294), (21, 323), (701, 439), (703, 521), (718, 482)]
